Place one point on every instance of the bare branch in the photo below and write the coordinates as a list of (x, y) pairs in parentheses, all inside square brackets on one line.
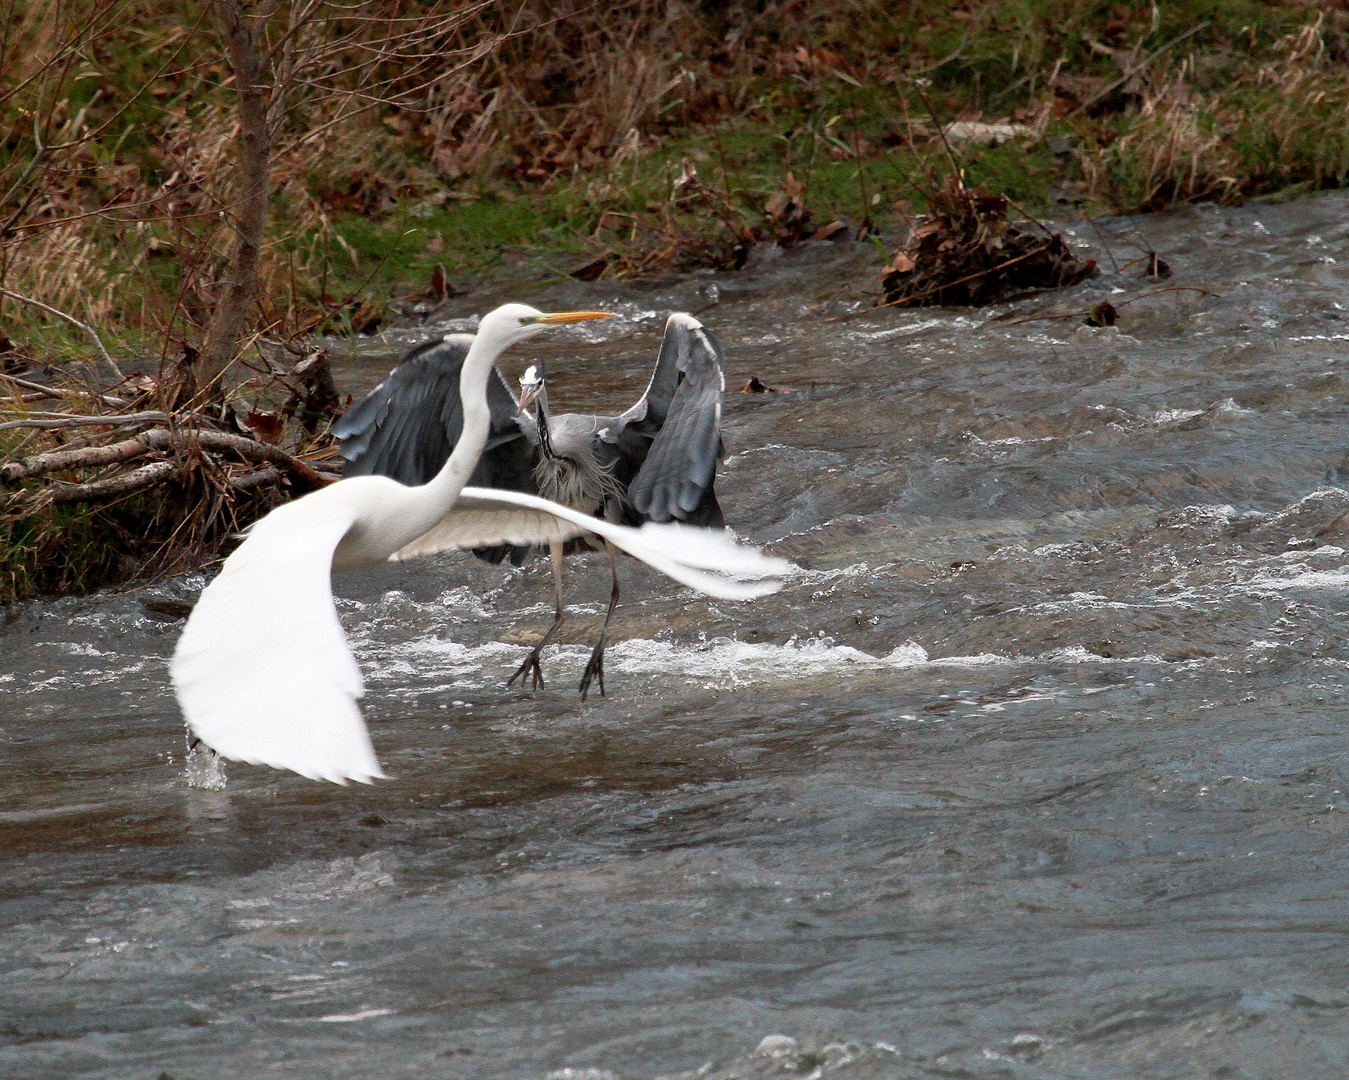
[(255, 479), (138, 479), (85, 421), (246, 447), (70, 319)]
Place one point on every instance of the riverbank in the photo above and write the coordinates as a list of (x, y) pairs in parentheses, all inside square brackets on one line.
[(580, 143), (566, 144)]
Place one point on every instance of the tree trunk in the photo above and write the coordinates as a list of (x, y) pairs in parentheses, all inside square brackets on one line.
[(247, 214)]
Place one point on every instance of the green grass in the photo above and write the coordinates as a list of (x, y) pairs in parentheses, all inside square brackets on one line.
[(542, 232)]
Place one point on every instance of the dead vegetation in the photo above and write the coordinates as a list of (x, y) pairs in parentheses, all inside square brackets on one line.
[(169, 461), (136, 491), (966, 252), (183, 185), (703, 226)]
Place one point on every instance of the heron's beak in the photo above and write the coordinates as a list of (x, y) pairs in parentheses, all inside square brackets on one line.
[(528, 395), (552, 318)]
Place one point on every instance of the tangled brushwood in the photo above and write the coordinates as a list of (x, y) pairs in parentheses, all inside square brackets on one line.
[(102, 486), (965, 253)]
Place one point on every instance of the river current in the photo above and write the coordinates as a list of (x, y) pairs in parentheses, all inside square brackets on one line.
[(1038, 767)]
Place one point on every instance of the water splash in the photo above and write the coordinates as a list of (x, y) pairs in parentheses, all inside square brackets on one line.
[(204, 768)]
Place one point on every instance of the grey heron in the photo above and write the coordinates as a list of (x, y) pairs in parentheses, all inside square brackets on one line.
[(263, 672), (655, 462)]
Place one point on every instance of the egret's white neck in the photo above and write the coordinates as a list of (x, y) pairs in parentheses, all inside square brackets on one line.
[(427, 504)]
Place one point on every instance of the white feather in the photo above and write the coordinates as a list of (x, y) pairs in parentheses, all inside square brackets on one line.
[(702, 559), (263, 671)]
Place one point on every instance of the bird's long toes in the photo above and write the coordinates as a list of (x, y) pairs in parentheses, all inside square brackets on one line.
[(594, 672), (531, 671)]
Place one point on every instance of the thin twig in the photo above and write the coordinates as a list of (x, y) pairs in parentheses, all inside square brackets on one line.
[(70, 319), (1122, 303), (58, 421), (60, 392)]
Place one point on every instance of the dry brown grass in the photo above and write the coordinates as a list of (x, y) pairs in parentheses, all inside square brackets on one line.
[(1280, 124)]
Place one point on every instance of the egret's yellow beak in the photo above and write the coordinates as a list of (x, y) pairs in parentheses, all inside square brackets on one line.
[(552, 318)]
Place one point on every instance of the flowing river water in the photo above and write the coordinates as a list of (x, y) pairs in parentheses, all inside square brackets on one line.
[(1038, 768)]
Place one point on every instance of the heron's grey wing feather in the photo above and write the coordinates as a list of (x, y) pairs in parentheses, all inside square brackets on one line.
[(407, 426), (410, 419), (263, 671), (681, 464), (651, 407)]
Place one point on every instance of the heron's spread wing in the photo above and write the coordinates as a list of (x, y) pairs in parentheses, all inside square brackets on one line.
[(407, 426), (263, 671), (703, 559), (680, 464), (652, 406)]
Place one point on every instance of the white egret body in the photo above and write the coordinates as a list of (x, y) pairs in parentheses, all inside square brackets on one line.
[(263, 671)]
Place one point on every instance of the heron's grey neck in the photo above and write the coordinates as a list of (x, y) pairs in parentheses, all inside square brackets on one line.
[(545, 432)]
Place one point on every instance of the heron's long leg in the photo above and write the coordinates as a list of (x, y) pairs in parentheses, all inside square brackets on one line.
[(595, 668), (532, 665)]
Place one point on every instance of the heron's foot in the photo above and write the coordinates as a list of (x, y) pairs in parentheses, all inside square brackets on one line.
[(531, 669), (594, 671)]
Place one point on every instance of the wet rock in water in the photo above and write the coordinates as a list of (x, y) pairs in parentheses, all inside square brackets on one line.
[(776, 1046), (172, 599), (594, 268), (1103, 314), (965, 252), (1026, 1046), (1319, 518)]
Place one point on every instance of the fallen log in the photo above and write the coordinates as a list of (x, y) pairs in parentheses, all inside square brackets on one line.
[(85, 458), (137, 479), (163, 439)]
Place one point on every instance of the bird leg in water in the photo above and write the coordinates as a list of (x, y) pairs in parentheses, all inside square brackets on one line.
[(532, 665), (595, 668)]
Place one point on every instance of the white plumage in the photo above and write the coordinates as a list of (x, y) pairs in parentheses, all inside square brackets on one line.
[(263, 671), (699, 558)]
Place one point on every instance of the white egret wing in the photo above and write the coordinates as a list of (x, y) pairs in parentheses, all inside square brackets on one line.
[(263, 671), (702, 559)]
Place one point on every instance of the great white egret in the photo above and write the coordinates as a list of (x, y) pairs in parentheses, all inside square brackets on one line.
[(263, 671), (655, 462)]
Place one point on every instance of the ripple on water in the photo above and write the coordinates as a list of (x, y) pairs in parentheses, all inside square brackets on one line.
[(1036, 769)]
